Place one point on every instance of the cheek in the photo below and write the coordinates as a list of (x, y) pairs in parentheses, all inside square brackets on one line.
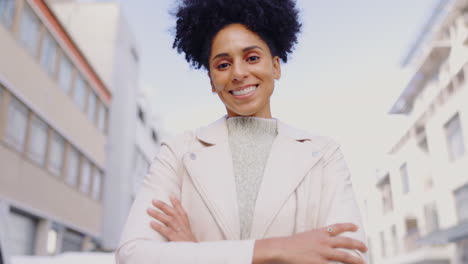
[(218, 83)]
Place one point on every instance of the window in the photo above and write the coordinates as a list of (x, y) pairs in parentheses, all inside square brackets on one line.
[(92, 107), (461, 203), (65, 74), (79, 95), (38, 141), (7, 11), (56, 151), (412, 234), (134, 53), (97, 181), (17, 124), (85, 175), (394, 240), (141, 115), (404, 178), (454, 135), (102, 116), (432, 219), (382, 244), (421, 138), (72, 241), (154, 136), (386, 190), (72, 166), (49, 54), (22, 233), (29, 31), (52, 238)]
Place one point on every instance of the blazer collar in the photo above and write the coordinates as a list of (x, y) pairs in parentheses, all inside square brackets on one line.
[(216, 132)]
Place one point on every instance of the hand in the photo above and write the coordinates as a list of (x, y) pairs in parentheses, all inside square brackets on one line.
[(175, 223), (319, 246)]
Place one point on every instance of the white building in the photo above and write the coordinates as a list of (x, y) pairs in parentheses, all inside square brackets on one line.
[(419, 210), (133, 141)]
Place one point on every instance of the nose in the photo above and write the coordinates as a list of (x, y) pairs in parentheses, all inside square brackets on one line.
[(239, 72)]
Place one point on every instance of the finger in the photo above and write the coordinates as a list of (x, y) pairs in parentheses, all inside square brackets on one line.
[(343, 257), (168, 233), (165, 219), (180, 210), (337, 229), (164, 207), (348, 243)]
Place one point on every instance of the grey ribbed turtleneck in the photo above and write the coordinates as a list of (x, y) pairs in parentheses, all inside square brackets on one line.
[(250, 140)]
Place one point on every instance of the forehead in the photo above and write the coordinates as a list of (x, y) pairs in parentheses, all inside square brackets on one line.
[(234, 38)]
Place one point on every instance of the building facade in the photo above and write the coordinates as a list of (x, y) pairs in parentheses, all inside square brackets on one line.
[(53, 135), (111, 48), (419, 211)]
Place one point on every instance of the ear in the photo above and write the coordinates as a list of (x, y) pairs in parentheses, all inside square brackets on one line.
[(213, 90), (276, 67)]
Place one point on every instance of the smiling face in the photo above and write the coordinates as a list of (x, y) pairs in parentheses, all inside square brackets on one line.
[(242, 71)]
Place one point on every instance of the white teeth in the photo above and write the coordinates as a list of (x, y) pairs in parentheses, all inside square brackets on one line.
[(245, 91)]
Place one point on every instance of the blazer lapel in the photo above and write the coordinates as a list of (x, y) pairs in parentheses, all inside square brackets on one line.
[(290, 160), (212, 173)]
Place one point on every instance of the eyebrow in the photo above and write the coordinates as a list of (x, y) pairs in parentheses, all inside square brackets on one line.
[(249, 48)]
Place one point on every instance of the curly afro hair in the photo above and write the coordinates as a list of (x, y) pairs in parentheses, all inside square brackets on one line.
[(198, 21)]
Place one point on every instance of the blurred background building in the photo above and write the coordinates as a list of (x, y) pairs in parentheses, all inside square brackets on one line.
[(419, 211), (76, 132), (111, 48), (53, 135)]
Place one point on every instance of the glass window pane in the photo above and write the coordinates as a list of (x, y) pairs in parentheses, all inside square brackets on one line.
[(38, 141), (85, 176), (461, 201), (405, 178), (102, 117), (72, 166), (72, 241), (7, 11), (49, 53), (56, 151), (65, 74), (29, 30), (22, 234), (92, 107), (17, 124), (97, 181), (432, 219), (80, 93), (454, 135)]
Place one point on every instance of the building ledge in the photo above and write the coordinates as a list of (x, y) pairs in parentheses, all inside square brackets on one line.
[(452, 234), (431, 61)]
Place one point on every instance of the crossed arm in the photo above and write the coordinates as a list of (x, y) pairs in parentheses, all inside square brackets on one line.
[(316, 246)]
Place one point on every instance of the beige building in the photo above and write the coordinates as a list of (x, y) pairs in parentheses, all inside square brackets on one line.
[(53, 135), (419, 211)]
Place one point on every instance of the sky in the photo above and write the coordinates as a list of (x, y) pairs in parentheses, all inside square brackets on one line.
[(341, 80)]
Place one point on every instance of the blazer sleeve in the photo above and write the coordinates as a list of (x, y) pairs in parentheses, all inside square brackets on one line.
[(338, 204), (142, 245)]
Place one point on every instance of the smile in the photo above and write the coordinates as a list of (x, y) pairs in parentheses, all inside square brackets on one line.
[(244, 90)]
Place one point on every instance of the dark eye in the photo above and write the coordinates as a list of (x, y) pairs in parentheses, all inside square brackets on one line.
[(253, 58), (222, 66)]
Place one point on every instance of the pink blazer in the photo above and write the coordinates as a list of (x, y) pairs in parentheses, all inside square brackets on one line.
[(306, 185)]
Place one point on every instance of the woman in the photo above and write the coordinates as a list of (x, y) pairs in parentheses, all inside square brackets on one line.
[(247, 188)]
